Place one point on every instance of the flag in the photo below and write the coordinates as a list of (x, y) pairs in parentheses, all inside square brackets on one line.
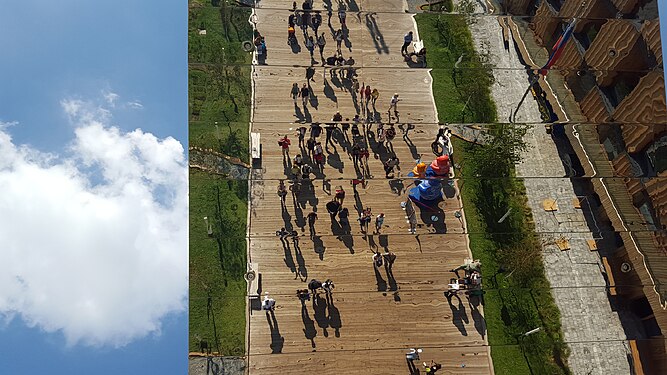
[(558, 48)]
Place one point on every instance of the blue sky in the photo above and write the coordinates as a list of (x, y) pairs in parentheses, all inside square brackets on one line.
[(70, 54)]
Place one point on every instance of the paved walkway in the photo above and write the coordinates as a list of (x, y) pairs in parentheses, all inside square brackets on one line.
[(586, 315), (373, 318)]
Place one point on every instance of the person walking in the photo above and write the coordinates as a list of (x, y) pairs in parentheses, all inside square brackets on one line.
[(295, 92), (313, 286), (301, 133), (393, 104), (328, 129), (305, 95), (342, 16), (379, 220), (377, 259), (310, 145), (328, 286), (375, 94), (310, 46), (282, 192), (284, 144), (339, 196), (367, 94), (339, 36), (312, 218), (389, 259), (268, 304), (321, 43), (407, 40), (316, 21)]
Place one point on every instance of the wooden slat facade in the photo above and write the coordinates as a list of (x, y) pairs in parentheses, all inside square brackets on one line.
[(646, 103), (651, 33), (615, 49)]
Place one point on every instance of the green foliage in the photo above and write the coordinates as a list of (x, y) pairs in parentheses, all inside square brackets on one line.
[(520, 299), (217, 263), (219, 82), (219, 91), (462, 94)]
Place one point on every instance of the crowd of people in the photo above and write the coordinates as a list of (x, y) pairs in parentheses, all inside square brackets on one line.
[(357, 138)]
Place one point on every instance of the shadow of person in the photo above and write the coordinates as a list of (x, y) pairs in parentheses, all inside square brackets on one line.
[(296, 48), (371, 242), (477, 317), (396, 185), (289, 260), (348, 239), (335, 162), (302, 271), (329, 91), (308, 325), (382, 285), (306, 115), (319, 247), (434, 218), (449, 190), (320, 307), (411, 367), (277, 340), (393, 286), (459, 317), (298, 114), (333, 316)]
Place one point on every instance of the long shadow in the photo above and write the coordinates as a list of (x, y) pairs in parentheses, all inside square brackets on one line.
[(302, 271), (277, 340), (397, 186), (318, 246), (480, 322), (298, 114), (287, 219), (371, 241), (434, 219), (320, 307), (296, 48), (382, 285), (308, 325), (411, 367), (289, 260), (411, 146), (333, 316), (335, 161), (299, 219), (393, 286), (459, 316), (376, 35), (329, 91), (306, 115)]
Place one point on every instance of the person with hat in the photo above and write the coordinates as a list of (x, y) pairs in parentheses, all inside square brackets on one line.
[(393, 104), (420, 170), (440, 166)]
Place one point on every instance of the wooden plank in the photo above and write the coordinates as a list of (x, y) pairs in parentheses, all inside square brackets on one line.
[(636, 359), (610, 276)]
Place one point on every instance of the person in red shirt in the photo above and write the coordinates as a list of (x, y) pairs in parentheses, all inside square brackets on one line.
[(284, 143)]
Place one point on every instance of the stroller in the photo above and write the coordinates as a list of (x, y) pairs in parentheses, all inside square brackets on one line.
[(291, 36)]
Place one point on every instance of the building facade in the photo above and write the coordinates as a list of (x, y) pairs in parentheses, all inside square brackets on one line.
[(613, 68)]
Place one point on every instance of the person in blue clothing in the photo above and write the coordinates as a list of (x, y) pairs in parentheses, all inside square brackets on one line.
[(407, 40)]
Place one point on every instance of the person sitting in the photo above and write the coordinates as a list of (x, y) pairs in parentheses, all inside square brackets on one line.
[(268, 304), (413, 354)]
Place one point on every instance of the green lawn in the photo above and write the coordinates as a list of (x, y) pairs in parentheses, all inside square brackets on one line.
[(219, 79), (218, 91), (518, 298)]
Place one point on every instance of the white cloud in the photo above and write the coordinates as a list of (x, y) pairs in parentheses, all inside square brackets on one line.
[(110, 98), (101, 259), (135, 104)]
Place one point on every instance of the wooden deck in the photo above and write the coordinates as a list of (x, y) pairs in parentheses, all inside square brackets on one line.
[(372, 318)]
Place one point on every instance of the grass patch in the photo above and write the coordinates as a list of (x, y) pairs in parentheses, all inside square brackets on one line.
[(218, 91), (519, 298), (219, 79), (217, 263)]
